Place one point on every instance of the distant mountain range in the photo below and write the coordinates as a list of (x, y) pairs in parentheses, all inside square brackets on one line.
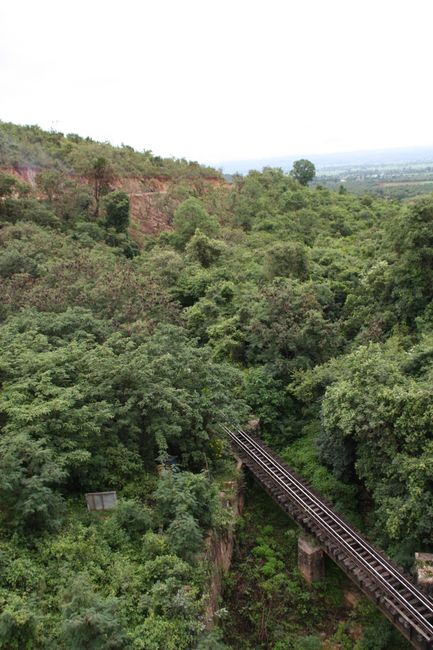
[(324, 161)]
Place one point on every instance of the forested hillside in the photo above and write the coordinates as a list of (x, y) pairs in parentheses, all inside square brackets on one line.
[(74, 173), (309, 309), (32, 147)]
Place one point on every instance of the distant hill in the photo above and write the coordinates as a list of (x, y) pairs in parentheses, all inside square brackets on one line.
[(154, 184), (399, 156), (31, 147)]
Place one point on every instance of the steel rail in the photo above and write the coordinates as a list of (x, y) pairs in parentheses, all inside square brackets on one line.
[(376, 575), (347, 529), (345, 526), (420, 620), (401, 600)]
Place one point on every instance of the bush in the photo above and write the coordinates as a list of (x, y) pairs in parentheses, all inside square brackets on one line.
[(18, 624), (189, 216), (153, 545), (156, 633), (185, 492), (133, 517), (203, 249), (13, 261), (91, 621), (29, 474), (117, 209), (13, 210), (307, 643), (184, 535), (286, 259)]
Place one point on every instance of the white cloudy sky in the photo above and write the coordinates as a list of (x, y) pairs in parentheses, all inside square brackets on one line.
[(220, 80)]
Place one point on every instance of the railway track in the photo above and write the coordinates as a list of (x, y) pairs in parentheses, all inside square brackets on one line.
[(380, 579)]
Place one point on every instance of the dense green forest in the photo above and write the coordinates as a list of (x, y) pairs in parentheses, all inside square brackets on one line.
[(307, 308)]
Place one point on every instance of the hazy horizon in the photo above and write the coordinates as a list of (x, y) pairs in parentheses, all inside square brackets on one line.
[(392, 155)]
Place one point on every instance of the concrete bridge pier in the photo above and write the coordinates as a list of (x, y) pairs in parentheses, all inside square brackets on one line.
[(311, 559)]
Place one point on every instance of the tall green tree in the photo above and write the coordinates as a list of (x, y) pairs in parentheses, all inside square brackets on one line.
[(376, 424), (191, 215), (101, 173), (30, 472), (412, 237), (89, 620), (20, 625), (303, 171), (286, 259), (117, 209), (203, 249)]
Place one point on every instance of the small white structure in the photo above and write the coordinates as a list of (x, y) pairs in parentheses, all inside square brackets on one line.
[(101, 500)]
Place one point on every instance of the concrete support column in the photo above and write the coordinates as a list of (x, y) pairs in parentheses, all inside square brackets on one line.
[(311, 560)]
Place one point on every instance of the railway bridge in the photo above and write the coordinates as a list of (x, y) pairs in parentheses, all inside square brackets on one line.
[(376, 575)]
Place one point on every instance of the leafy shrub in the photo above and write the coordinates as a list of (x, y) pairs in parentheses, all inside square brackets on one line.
[(133, 517), (117, 210), (203, 249), (90, 620), (191, 215), (29, 474), (184, 535), (19, 624)]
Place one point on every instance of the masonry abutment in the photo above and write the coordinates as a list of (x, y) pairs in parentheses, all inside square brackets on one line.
[(311, 559)]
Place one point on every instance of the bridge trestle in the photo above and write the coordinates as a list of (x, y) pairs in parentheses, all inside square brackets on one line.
[(408, 608)]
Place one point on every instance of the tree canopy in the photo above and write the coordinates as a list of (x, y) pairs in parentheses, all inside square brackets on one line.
[(121, 356), (303, 171)]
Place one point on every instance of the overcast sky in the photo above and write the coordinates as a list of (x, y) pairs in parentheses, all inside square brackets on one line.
[(222, 80)]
